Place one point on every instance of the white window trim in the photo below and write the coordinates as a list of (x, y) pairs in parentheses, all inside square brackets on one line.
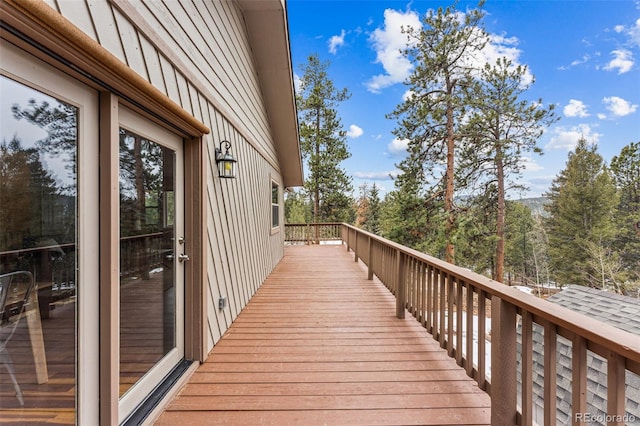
[(275, 229)]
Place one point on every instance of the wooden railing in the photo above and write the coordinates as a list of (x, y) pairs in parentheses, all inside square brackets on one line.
[(454, 304), (312, 233)]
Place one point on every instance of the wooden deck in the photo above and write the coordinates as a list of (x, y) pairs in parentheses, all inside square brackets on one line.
[(319, 344)]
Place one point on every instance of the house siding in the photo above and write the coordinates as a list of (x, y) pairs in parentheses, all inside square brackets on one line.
[(198, 54)]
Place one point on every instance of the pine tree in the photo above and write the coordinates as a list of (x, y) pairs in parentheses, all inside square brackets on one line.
[(404, 217), (323, 143), (432, 115), (626, 172), (296, 208), (503, 127), (362, 206), (583, 199), (373, 211)]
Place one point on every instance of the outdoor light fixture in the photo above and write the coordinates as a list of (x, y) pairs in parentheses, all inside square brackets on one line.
[(226, 162)]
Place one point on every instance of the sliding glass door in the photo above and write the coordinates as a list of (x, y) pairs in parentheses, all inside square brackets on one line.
[(48, 242)]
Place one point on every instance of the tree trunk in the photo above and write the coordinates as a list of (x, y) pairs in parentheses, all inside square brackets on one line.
[(316, 192), (501, 217), (448, 196)]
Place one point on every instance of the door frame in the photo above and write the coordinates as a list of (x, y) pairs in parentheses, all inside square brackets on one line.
[(195, 319), (146, 384)]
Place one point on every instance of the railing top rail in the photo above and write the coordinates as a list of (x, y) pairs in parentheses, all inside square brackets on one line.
[(315, 224), (595, 331)]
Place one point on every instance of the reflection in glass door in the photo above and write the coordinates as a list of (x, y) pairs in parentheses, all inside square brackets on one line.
[(151, 257), (38, 263)]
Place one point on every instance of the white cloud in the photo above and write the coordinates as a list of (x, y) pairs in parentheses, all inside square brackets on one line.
[(500, 46), (583, 60), (530, 164), (567, 138), (634, 33), (398, 146), (377, 175), (335, 42), (388, 42), (602, 116), (622, 61), (297, 82), (407, 95), (575, 108), (618, 106), (354, 131)]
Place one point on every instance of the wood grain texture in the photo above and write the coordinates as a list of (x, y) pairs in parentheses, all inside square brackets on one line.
[(320, 344)]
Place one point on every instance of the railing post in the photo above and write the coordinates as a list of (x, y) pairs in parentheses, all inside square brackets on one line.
[(348, 239), (355, 247), (370, 265), (615, 389), (503, 361), (400, 285)]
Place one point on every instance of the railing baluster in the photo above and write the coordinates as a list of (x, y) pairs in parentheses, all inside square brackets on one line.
[(423, 301), (578, 380), (429, 296), (482, 340), (435, 297), (400, 289), (450, 300), (441, 306), (459, 327), (469, 342), (370, 244)]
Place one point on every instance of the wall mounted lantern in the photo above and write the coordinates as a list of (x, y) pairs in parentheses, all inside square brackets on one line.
[(226, 162)]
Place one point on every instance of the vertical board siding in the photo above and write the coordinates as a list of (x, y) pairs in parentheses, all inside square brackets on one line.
[(78, 13), (154, 68), (131, 43), (214, 50), (198, 54), (107, 31)]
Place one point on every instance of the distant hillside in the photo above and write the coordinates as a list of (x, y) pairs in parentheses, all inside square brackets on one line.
[(535, 204)]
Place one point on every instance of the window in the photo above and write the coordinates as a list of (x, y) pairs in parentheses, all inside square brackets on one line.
[(275, 204)]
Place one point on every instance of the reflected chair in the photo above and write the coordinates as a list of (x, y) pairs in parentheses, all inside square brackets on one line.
[(15, 291)]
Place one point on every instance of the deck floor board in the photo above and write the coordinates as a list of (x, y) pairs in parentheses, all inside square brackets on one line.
[(320, 344)]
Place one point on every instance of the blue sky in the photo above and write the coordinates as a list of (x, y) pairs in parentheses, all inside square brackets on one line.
[(584, 54)]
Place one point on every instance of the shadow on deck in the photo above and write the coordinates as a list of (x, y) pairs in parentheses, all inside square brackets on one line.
[(320, 344)]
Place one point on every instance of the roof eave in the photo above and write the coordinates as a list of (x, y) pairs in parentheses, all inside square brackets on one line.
[(267, 27)]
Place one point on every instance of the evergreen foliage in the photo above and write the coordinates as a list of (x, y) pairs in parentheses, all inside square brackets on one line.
[(583, 199), (626, 173), (432, 117), (297, 208), (503, 127), (323, 143)]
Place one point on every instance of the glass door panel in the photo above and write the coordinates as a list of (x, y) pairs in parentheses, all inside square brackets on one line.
[(38, 266), (151, 271)]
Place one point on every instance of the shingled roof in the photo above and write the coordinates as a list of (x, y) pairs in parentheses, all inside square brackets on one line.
[(619, 311)]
